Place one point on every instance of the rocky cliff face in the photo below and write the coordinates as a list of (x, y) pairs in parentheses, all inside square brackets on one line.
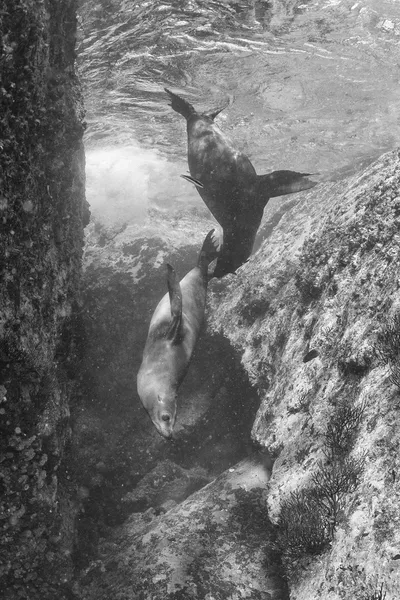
[(314, 317), (42, 214)]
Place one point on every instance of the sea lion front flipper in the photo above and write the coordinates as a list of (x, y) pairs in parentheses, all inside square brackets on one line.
[(191, 179), (279, 183), (174, 332)]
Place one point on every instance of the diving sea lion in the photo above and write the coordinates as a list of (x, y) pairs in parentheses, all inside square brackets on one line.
[(173, 333), (229, 185)]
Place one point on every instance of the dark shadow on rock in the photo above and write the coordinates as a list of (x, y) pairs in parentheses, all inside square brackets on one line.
[(250, 515)]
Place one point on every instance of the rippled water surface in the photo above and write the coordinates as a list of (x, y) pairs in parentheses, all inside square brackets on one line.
[(308, 85)]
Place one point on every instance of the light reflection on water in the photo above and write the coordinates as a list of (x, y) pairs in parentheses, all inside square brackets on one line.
[(312, 85), (124, 182)]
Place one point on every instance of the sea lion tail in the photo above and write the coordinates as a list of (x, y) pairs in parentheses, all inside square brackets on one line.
[(279, 183), (209, 251), (179, 105)]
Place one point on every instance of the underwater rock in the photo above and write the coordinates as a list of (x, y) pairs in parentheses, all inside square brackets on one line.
[(43, 212), (166, 482), (216, 544), (327, 279)]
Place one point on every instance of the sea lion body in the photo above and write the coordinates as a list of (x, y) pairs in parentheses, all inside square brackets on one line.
[(230, 186), (173, 332), (229, 190)]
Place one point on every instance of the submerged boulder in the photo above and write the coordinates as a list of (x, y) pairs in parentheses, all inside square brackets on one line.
[(216, 545), (165, 485)]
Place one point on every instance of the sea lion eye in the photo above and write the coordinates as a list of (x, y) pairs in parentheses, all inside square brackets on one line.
[(165, 417)]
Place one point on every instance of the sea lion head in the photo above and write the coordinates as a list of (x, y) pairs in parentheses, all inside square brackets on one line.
[(162, 411), (159, 398)]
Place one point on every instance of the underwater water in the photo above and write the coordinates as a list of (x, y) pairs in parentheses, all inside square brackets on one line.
[(308, 85)]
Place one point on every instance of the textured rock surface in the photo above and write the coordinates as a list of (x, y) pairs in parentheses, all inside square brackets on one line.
[(42, 214), (327, 280), (216, 544)]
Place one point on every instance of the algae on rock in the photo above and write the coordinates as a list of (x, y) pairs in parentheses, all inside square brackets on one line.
[(324, 286), (42, 215), (216, 544)]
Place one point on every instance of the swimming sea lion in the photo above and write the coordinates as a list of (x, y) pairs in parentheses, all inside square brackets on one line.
[(173, 333), (229, 185)]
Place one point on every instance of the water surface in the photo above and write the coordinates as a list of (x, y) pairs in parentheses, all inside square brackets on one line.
[(308, 85)]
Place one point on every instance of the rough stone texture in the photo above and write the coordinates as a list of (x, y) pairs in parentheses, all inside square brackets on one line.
[(165, 485), (216, 545), (327, 280), (42, 214)]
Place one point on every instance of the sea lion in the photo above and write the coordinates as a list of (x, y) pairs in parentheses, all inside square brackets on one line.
[(229, 185), (173, 333)]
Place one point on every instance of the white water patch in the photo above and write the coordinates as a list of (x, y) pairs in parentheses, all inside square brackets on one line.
[(118, 182), (123, 183)]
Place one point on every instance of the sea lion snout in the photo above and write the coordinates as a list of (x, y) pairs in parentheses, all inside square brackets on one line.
[(163, 415), (164, 423)]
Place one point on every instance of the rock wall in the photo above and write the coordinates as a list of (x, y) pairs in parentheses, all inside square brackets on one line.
[(313, 315), (42, 215)]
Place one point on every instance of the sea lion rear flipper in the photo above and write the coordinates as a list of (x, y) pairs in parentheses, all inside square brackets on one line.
[(279, 183), (209, 251), (174, 332), (213, 113), (180, 105)]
